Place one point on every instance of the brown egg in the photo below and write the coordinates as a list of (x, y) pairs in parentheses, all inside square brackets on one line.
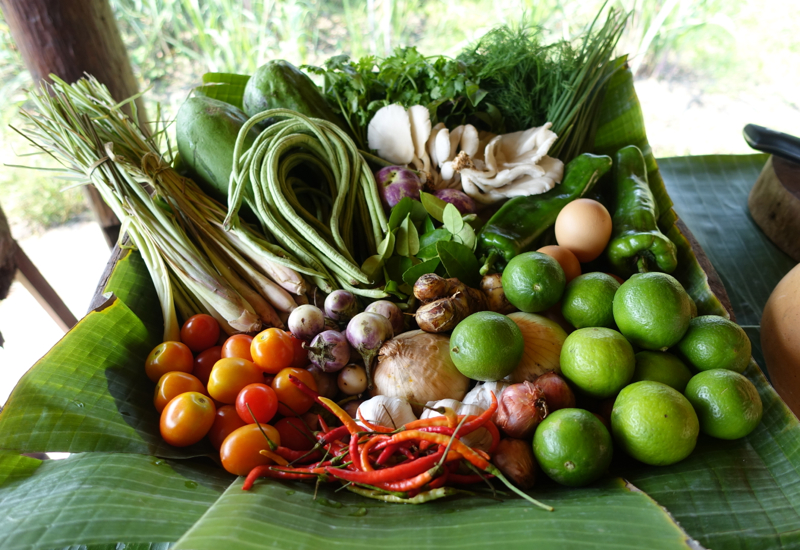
[(584, 227), (569, 263)]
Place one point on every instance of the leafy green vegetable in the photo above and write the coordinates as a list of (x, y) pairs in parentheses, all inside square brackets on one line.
[(452, 219), (432, 237), (413, 273), (407, 238), (460, 262), (434, 205)]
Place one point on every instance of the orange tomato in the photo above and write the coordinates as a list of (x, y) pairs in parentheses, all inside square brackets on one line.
[(229, 376), (272, 350), (291, 399), (168, 357), (200, 332), (566, 259), (239, 452), (172, 384), (205, 361), (237, 345), (187, 418), (225, 421)]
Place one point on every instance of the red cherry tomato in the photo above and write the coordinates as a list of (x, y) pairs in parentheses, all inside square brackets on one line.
[(225, 421), (205, 361), (237, 345), (300, 360), (239, 452), (187, 418), (167, 357), (260, 399), (172, 384), (291, 399), (272, 350), (229, 376), (294, 434), (200, 332)]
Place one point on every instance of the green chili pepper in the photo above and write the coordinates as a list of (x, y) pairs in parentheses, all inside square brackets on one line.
[(636, 245), (519, 223)]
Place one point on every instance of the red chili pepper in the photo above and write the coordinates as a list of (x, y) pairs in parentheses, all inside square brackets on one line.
[(394, 473), (333, 435), (486, 416), (323, 424), (365, 450), (266, 471), (425, 478), (305, 389), (471, 455), (494, 432), (298, 456), (374, 427)]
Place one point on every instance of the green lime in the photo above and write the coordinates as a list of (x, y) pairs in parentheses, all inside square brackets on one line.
[(727, 403), (486, 346), (654, 423), (572, 447), (713, 342), (663, 367), (533, 281), (693, 307), (652, 310), (599, 361), (588, 299)]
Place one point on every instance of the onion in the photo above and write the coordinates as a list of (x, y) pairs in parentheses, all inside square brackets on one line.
[(341, 305), (329, 351), (306, 321), (416, 366), (557, 392), (514, 457), (543, 340), (520, 409), (383, 410), (390, 311)]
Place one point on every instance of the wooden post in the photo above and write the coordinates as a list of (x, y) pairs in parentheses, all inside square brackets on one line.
[(69, 38)]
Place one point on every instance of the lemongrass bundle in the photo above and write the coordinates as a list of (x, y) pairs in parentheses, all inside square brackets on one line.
[(238, 277)]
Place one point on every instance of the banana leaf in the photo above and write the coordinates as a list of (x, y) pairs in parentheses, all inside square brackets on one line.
[(740, 494)]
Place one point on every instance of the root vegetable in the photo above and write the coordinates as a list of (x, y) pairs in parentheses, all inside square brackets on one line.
[(496, 300), (514, 457), (449, 301), (557, 393), (520, 409), (416, 366)]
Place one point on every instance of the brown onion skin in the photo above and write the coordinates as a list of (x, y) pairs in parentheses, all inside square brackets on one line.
[(494, 295), (556, 391), (514, 457), (520, 409)]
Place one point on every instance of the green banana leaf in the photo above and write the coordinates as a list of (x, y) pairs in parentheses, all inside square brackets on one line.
[(89, 395)]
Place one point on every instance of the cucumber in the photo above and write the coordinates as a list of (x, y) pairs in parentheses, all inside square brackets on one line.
[(206, 131), (279, 84)]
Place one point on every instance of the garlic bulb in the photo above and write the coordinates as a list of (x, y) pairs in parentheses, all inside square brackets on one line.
[(430, 407), (479, 439), (481, 396), (383, 410)]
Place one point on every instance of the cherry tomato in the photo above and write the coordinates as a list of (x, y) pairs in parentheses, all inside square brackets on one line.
[(187, 418), (300, 360), (294, 434), (260, 399), (272, 350), (200, 332), (167, 357), (205, 361), (172, 384), (239, 452), (291, 399), (225, 421), (237, 345), (229, 376)]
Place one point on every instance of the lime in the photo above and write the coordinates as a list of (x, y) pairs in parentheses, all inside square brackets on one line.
[(572, 447), (533, 281), (588, 299), (727, 403), (486, 346), (663, 367), (652, 310), (599, 361), (713, 342), (654, 423)]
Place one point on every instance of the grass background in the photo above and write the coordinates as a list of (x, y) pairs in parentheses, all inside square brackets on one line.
[(708, 50)]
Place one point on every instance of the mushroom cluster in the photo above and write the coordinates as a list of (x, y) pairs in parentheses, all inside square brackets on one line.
[(487, 167)]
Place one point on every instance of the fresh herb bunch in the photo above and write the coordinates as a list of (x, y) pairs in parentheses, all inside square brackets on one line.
[(357, 89)]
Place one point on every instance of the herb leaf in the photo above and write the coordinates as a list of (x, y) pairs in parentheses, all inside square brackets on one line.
[(434, 205), (412, 274), (460, 262), (452, 219)]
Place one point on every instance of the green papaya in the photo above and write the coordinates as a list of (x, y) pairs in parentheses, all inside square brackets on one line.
[(279, 84), (206, 132)]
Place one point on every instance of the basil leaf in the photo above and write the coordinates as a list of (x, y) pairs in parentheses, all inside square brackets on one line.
[(399, 212), (435, 236), (460, 262), (452, 219), (411, 275), (433, 205)]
